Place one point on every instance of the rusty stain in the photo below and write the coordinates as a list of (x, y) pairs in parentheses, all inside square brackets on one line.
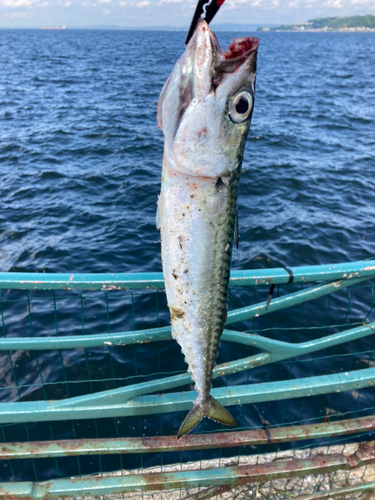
[(111, 287), (213, 491), (244, 474), (228, 477), (42, 449)]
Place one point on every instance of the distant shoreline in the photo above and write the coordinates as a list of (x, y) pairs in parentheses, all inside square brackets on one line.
[(349, 24), (255, 31), (319, 31)]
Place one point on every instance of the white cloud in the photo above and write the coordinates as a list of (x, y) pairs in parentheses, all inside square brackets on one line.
[(14, 4), (17, 15), (288, 5), (232, 4), (135, 3), (335, 4), (175, 12)]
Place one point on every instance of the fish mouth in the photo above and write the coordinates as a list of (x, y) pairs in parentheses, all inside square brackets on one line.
[(203, 66), (239, 51), (211, 65), (223, 61)]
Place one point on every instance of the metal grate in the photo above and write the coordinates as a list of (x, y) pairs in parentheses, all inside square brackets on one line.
[(86, 357)]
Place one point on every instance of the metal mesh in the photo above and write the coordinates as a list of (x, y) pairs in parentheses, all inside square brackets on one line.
[(59, 374)]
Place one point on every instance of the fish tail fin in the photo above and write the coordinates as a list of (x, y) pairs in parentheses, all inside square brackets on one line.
[(192, 419), (218, 413), (212, 409)]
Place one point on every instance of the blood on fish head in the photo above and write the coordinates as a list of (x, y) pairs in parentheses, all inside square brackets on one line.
[(206, 105)]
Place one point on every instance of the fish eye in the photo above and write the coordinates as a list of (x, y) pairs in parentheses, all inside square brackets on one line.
[(240, 107)]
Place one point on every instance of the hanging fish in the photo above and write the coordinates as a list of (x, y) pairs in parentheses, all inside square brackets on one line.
[(204, 110)]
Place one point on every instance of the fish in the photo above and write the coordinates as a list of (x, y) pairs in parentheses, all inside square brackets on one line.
[(204, 111)]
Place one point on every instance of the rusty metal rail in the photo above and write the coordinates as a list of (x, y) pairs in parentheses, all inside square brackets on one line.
[(73, 447), (158, 481), (340, 492), (369, 488)]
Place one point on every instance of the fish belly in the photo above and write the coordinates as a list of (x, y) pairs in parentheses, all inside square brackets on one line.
[(196, 219)]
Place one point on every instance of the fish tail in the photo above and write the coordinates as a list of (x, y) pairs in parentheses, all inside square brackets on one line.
[(211, 409)]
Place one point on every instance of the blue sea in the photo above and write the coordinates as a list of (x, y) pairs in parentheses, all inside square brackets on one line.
[(80, 171)]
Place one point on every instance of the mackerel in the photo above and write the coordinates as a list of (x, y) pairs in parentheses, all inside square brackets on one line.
[(204, 110)]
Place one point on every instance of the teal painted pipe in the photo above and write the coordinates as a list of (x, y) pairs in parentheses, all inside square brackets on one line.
[(290, 300), (141, 281), (277, 351), (157, 334), (158, 444), (83, 341), (232, 476), (338, 493), (41, 411)]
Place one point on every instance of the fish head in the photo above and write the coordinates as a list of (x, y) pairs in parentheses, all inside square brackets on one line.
[(206, 105)]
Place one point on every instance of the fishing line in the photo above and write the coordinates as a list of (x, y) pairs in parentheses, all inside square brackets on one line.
[(207, 10), (207, 4), (265, 424), (291, 279)]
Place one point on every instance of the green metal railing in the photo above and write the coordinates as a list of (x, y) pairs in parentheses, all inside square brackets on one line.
[(34, 299)]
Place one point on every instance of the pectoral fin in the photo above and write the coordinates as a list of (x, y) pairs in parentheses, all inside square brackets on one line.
[(212, 409)]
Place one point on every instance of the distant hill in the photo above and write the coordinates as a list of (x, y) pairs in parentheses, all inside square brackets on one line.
[(336, 23), (352, 23)]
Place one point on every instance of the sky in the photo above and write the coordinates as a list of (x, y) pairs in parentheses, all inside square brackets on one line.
[(177, 13)]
